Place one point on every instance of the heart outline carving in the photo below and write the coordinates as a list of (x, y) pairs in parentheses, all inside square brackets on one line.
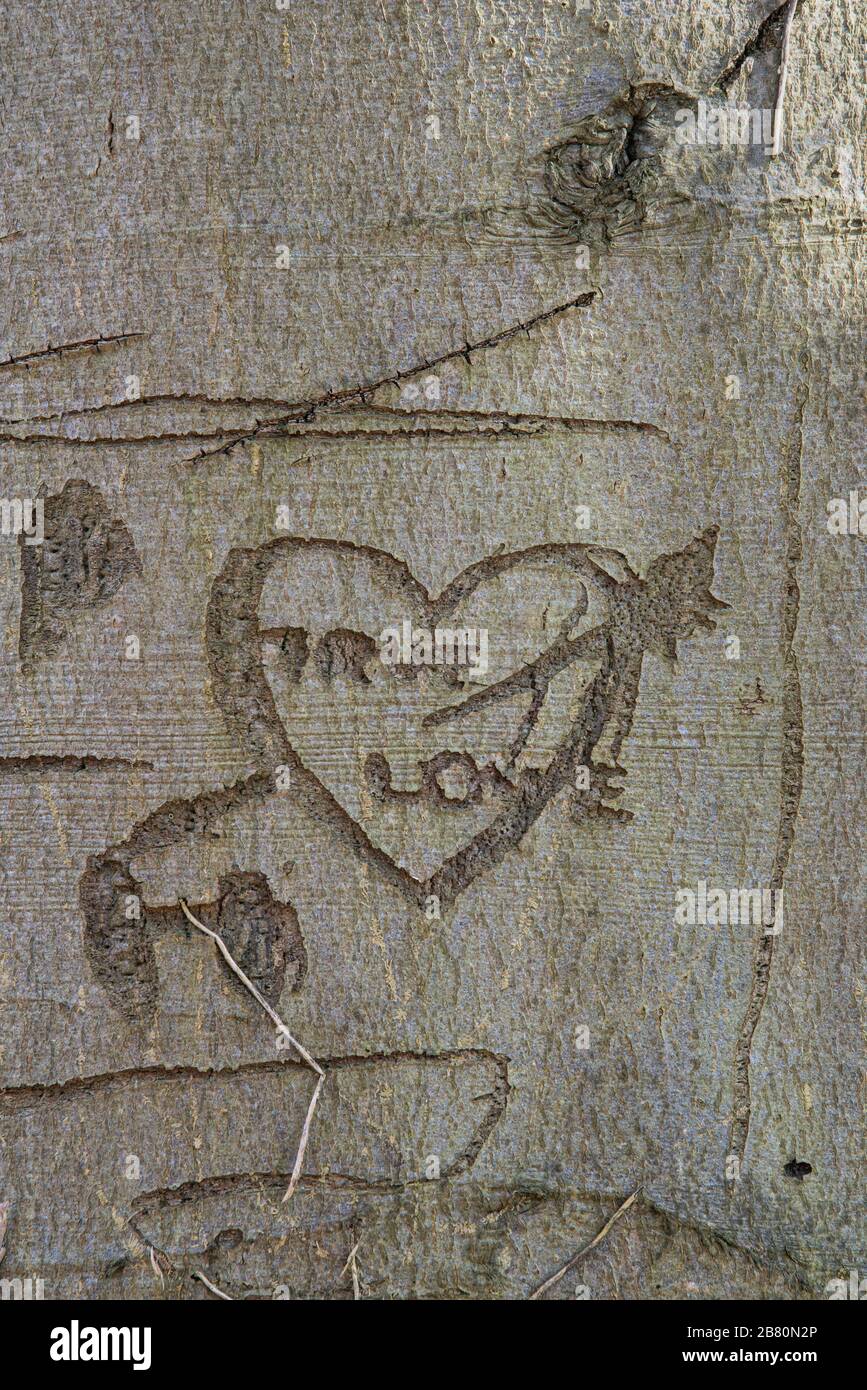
[(646, 614)]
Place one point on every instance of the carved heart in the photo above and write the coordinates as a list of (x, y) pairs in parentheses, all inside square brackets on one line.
[(429, 774)]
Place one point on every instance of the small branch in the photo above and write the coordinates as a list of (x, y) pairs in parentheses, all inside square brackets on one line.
[(781, 86), (351, 1264), (570, 1264), (233, 965), (244, 437), (302, 1051), (197, 1274)]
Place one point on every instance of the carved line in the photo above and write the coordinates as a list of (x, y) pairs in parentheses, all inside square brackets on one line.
[(16, 1099), (468, 424), (791, 778), (69, 762), (644, 615), (766, 36), (358, 394), (500, 426)]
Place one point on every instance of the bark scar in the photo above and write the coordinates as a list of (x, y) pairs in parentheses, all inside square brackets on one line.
[(791, 778)]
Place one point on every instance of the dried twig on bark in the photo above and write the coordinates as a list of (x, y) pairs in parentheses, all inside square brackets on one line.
[(570, 1264), (299, 1048)]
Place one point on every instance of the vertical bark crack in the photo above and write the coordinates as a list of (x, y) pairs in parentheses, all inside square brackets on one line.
[(791, 777)]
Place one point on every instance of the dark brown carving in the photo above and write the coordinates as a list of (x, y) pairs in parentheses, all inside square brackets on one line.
[(645, 614), (85, 558), (262, 934), (650, 614)]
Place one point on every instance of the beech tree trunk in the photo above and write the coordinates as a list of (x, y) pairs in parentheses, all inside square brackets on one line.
[(444, 585)]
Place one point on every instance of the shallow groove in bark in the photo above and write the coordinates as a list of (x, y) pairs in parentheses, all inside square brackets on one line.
[(768, 35), (791, 778)]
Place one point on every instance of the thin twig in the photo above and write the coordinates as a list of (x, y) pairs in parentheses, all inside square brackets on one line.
[(275, 1017), (781, 85), (570, 1264), (352, 1265), (305, 1135), (233, 965), (197, 1274)]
